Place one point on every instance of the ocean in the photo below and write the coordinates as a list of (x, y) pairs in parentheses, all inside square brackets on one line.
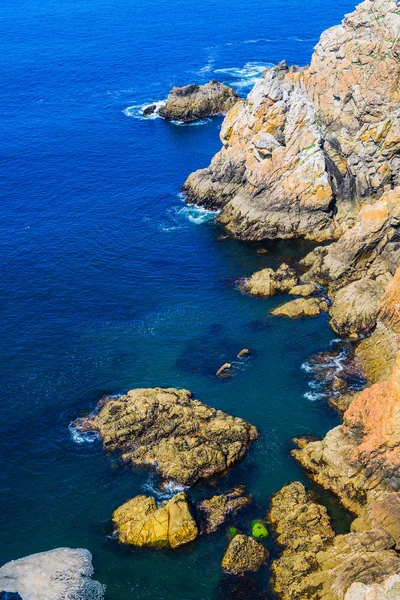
[(109, 282)]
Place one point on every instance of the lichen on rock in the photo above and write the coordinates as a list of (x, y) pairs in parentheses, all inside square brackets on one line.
[(192, 102), (182, 438), (244, 555), (140, 522)]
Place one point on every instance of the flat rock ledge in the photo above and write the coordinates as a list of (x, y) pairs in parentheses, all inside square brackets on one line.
[(192, 102), (182, 438), (60, 574)]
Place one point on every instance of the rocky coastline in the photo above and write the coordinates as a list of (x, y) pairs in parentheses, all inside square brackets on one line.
[(313, 153)]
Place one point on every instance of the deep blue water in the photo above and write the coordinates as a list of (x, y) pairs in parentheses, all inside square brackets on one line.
[(108, 282)]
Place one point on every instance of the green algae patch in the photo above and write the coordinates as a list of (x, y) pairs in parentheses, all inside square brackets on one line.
[(259, 530)]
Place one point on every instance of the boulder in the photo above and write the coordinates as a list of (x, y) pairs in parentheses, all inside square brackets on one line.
[(213, 512), (223, 371), (354, 308), (60, 574), (305, 289), (182, 438), (268, 282), (140, 522), (301, 307), (193, 102), (243, 555)]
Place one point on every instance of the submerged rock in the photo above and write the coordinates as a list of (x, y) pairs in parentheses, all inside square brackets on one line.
[(213, 512), (243, 555), (182, 438), (193, 102), (140, 522), (60, 574), (224, 370)]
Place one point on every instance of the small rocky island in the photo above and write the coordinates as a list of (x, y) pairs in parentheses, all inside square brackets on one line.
[(182, 438), (192, 102)]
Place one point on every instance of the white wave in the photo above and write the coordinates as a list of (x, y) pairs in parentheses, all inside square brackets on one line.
[(82, 437), (314, 396), (167, 490), (307, 367), (246, 76), (192, 123), (135, 111), (197, 214)]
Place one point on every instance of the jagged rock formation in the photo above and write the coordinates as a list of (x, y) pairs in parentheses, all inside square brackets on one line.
[(244, 555), (213, 512), (182, 438), (192, 102), (140, 522), (316, 564), (60, 574), (310, 145), (361, 458)]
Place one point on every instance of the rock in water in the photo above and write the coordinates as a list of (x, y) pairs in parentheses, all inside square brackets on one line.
[(214, 511), (301, 307), (60, 574), (244, 554), (193, 102), (182, 438), (141, 523), (268, 282)]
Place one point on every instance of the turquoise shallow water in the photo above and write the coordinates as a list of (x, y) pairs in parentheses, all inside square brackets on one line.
[(109, 282)]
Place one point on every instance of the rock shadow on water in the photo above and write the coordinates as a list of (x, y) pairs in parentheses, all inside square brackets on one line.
[(239, 588)]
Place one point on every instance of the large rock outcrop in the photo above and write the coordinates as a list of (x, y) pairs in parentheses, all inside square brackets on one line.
[(140, 522), (310, 145), (317, 565), (192, 102), (60, 574), (182, 438)]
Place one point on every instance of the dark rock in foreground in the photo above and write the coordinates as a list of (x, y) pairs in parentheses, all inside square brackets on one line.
[(182, 438), (193, 102), (60, 574)]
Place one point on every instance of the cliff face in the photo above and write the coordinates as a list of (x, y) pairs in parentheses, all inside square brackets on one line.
[(310, 145)]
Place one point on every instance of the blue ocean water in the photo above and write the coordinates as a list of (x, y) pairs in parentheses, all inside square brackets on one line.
[(108, 282)]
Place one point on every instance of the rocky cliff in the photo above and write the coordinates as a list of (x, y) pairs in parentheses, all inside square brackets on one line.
[(310, 145), (314, 153)]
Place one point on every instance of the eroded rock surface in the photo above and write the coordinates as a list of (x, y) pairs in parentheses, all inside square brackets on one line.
[(244, 555), (301, 307), (268, 282), (60, 574), (192, 102), (140, 522), (213, 512), (310, 145), (316, 564), (182, 438)]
